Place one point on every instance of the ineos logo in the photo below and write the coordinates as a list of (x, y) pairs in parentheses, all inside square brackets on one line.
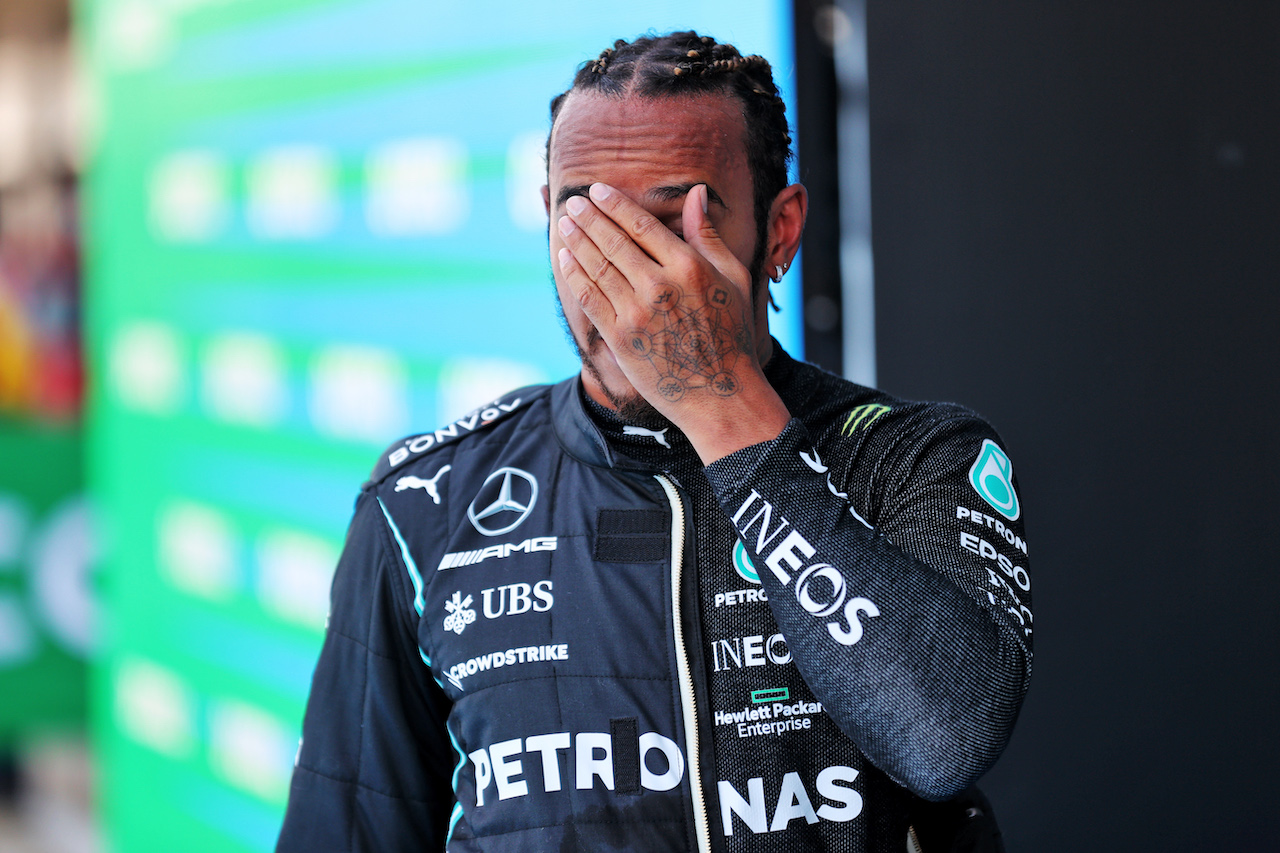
[(515, 493), (805, 588)]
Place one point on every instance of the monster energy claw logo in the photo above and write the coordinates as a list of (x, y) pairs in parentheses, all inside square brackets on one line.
[(742, 564), (862, 417), (992, 477)]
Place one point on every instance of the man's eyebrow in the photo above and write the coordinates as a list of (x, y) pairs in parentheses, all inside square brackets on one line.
[(567, 193), (674, 192), (679, 191)]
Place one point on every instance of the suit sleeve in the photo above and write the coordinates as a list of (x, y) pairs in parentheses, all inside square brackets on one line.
[(374, 768), (908, 636)]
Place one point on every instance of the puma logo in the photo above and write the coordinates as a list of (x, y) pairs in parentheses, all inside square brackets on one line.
[(659, 436), (412, 482)]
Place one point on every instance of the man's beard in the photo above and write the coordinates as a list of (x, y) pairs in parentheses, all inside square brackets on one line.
[(633, 408)]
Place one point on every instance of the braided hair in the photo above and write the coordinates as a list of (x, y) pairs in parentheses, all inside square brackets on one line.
[(687, 63)]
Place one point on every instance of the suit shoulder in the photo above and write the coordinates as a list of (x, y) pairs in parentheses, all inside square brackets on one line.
[(849, 408), (479, 420)]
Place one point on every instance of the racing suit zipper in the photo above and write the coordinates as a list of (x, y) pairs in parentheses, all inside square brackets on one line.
[(688, 700)]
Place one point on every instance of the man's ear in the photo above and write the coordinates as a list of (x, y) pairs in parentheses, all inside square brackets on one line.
[(546, 199), (786, 225)]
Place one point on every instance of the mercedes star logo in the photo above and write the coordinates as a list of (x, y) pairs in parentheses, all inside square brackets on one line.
[(517, 493)]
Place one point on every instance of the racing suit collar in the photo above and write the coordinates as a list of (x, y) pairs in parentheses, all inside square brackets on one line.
[(583, 439), (575, 430)]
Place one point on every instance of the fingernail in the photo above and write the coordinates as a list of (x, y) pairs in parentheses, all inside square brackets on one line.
[(565, 257), (704, 198), (567, 226), (576, 204), (601, 191)]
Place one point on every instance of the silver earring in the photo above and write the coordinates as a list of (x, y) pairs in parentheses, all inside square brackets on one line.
[(777, 273)]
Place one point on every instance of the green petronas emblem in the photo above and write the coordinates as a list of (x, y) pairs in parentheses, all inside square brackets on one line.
[(992, 477), (743, 565)]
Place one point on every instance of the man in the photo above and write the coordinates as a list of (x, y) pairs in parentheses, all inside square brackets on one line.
[(701, 596)]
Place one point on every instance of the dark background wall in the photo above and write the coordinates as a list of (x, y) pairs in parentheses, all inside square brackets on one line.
[(1076, 210)]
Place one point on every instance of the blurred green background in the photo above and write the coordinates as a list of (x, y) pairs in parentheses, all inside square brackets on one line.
[(307, 227)]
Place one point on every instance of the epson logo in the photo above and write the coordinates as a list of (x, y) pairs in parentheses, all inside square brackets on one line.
[(983, 548), (819, 588), (793, 801), (589, 757)]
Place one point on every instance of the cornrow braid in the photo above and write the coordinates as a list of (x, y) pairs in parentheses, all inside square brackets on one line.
[(685, 63), (601, 63)]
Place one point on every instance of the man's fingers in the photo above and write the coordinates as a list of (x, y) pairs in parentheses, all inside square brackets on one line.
[(590, 259), (703, 237), (595, 302), (636, 264), (640, 226), (612, 240)]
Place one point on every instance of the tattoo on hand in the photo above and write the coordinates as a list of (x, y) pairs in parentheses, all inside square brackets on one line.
[(694, 345)]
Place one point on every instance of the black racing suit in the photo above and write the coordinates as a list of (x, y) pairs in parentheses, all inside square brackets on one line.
[(553, 631)]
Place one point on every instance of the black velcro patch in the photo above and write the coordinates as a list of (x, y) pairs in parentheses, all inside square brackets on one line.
[(633, 535), (625, 734)]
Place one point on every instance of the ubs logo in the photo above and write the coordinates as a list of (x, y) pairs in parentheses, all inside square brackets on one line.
[(503, 502)]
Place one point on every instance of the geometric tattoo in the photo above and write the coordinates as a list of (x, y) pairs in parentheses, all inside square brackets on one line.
[(693, 346)]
